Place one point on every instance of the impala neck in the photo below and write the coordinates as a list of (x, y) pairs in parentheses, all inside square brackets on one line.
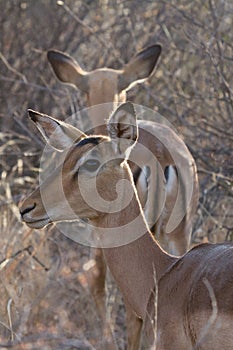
[(138, 265), (96, 115), (100, 108)]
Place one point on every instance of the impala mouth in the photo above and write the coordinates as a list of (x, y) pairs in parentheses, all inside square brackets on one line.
[(38, 224)]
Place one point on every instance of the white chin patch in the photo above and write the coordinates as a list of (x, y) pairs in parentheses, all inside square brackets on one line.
[(38, 224)]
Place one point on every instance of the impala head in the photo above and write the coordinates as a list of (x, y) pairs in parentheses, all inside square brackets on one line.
[(105, 85), (77, 188)]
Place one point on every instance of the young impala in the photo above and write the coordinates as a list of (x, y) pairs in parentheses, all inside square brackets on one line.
[(185, 302), (106, 88)]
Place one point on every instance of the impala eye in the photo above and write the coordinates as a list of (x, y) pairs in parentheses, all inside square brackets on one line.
[(91, 165)]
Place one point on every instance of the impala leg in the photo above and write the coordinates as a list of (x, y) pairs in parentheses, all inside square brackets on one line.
[(178, 241), (134, 327), (96, 281)]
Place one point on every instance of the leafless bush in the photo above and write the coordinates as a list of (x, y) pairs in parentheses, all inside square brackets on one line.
[(44, 298)]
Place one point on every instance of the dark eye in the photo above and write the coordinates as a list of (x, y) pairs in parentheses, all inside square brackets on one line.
[(91, 165)]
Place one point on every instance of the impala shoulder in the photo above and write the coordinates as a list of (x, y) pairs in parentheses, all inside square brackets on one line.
[(214, 270)]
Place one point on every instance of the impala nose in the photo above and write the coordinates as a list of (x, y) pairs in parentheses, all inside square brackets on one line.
[(26, 210)]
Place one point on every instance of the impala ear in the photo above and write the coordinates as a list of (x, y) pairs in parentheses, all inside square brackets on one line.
[(123, 129), (140, 67), (68, 70), (56, 133)]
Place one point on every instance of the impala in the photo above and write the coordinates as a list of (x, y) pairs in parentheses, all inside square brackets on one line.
[(173, 216), (184, 302)]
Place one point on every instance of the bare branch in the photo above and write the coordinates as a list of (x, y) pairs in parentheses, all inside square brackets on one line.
[(10, 68)]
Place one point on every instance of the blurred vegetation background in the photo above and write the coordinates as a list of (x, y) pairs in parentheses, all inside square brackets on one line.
[(45, 302)]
